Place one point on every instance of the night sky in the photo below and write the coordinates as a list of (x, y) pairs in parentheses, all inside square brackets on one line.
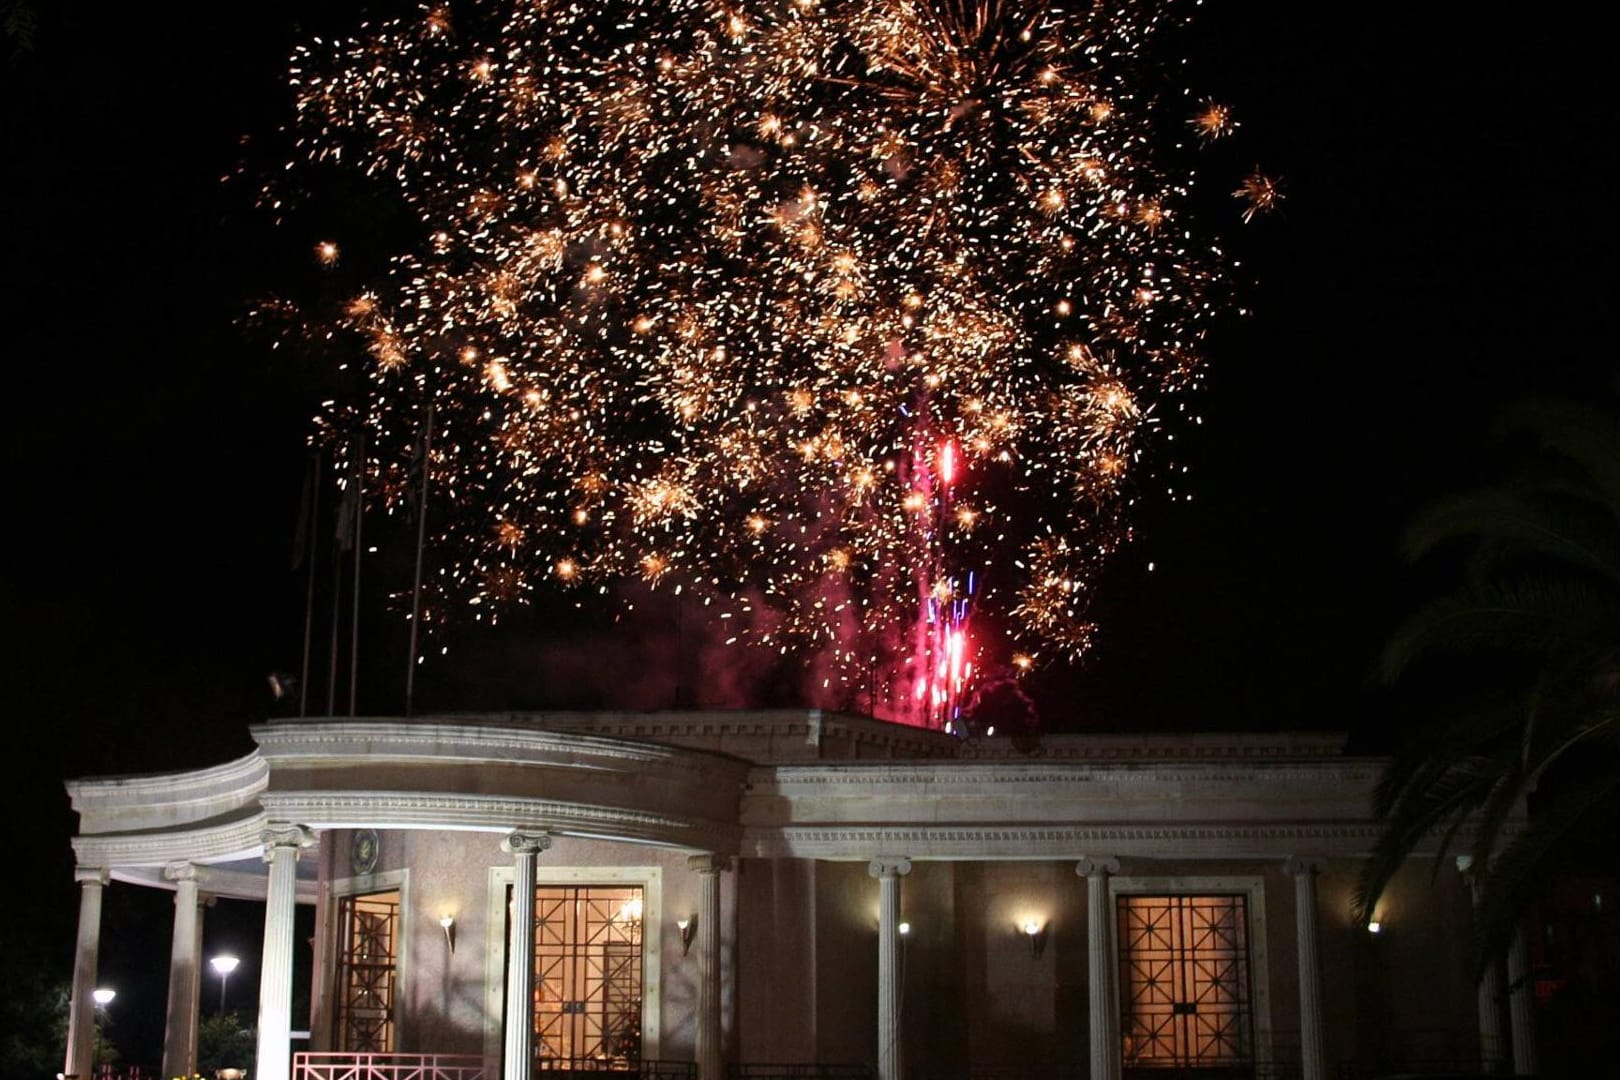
[(1446, 247)]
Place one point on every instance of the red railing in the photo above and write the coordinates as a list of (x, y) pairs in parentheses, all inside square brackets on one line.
[(351, 1066), (124, 1072)]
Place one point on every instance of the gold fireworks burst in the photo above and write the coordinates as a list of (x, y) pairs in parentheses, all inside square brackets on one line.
[(1260, 194), (702, 289)]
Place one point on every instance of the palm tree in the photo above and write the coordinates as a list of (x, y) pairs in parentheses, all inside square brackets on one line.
[(1526, 648)]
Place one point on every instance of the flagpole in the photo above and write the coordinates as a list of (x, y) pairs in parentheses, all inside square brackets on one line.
[(354, 617), (337, 614), (421, 545), (309, 573)]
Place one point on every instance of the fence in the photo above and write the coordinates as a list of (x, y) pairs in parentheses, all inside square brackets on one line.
[(359, 1066)]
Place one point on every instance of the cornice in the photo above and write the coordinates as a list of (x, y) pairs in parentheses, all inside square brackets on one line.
[(392, 809), (814, 726), (233, 780), (977, 773), (1188, 746), (1206, 841), (329, 743), (240, 838)]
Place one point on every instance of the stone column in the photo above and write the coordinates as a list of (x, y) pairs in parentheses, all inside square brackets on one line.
[(180, 1027), (1521, 1007), (81, 1039), (1312, 1050), (517, 1057), (710, 1059), (1101, 974), (1488, 995), (282, 842), (888, 870)]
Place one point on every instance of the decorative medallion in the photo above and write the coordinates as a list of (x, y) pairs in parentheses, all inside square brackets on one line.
[(363, 851)]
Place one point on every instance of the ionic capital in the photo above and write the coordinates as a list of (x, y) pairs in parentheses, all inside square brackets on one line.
[(886, 866), (1295, 865), (526, 843), (86, 875), (183, 871), (284, 836), (709, 863), (1089, 866)]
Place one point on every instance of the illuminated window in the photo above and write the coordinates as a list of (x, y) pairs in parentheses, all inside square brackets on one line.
[(587, 977), (1184, 982), (368, 930)]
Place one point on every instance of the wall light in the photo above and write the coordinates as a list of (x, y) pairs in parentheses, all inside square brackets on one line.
[(1375, 927), (1035, 931), (103, 996), (447, 923), (904, 928), (687, 927), (629, 912)]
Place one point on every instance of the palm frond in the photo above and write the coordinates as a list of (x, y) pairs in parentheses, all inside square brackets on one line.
[(1526, 613), (1533, 629), (1582, 434), (1518, 522), (1437, 799)]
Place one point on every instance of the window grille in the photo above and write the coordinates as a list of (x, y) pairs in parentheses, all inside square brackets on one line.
[(1184, 982), (587, 977), (368, 930)]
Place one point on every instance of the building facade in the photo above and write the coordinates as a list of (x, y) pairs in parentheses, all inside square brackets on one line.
[(683, 893)]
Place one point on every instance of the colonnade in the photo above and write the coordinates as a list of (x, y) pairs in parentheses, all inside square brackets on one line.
[(283, 843)]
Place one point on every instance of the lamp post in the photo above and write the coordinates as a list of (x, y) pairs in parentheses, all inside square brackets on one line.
[(102, 996), (224, 964)]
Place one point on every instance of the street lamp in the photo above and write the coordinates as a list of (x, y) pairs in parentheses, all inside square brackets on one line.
[(224, 964), (103, 996)]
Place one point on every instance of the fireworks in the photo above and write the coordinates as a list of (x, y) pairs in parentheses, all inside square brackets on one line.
[(1260, 192), (854, 311)]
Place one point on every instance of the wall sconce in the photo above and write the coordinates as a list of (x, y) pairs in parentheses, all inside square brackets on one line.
[(448, 924), (687, 927), (1375, 927), (629, 912), (1036, 933), (904, 930)]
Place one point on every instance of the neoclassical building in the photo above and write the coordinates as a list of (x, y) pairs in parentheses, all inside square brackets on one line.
[(679, 894)]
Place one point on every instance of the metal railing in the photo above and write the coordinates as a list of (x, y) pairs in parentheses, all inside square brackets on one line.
[(797, 1071), (367, 1066), (310, 1065), (1249, 1070), (1448, 1068), (649, 1069), (124, 1072)]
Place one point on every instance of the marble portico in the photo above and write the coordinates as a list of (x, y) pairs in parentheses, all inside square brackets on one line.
[(793, 843)]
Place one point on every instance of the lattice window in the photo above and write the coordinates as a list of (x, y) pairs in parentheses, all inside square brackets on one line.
[(587, 976), (1184, 981), (368, 936)]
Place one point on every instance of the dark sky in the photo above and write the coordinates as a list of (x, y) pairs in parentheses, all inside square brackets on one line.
[(1447, 245)]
